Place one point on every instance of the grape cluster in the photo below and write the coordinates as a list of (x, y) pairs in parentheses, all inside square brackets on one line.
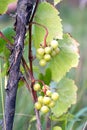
[(47, 101), (44, 54)]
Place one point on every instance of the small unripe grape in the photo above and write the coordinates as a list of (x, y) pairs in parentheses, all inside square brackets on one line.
[(57, 50), (53, 53), (52, 104), (44, 109), (42, 62), (48, 93), (38, 105), (37, 87), (40, 99), (55, 96), (46, 100), (54, 44), (47, 57), (48, 50), (40, 51)]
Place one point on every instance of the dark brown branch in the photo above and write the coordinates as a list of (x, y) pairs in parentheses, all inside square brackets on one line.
[(24, 9), (37, 1)]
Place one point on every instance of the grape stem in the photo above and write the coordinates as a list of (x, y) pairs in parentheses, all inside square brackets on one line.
[(30, 57), (9, 45), (40, 81), (25, 66), (46, 35), (2, 36)]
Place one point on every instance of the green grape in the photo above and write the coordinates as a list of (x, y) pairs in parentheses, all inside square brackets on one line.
[(40, 51), (48, 93), (46, 100), (48, 50), (40, 99), (38, 105), (44, 109), (55, 96), (57, 50), (53, 53), (47, 57), (42, 62), (52, 104), (54, 44), (37, 87)]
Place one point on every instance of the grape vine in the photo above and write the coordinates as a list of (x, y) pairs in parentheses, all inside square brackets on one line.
[(39, 43)]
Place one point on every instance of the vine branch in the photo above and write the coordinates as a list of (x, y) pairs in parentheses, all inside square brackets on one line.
[(24, 9), (30, 57)]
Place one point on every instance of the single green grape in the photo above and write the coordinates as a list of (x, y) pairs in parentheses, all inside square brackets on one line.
[(37, 87), (38, 105), (47, 57), (40, 99), (53, 53), (54, 44), (47, 50), (46, 100), (40, 51), (52, 104), (48, 92), (57, 50), (44, 109), (42, 62), (55, 96)]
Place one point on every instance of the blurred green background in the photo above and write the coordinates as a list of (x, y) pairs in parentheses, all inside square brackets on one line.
[(74, 20)]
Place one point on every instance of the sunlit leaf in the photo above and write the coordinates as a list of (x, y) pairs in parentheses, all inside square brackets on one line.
[(67, 96), (47, 77), (67, 58), (48, 16)]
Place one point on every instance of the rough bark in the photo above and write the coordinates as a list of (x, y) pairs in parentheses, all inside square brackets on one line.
[(24, 9)]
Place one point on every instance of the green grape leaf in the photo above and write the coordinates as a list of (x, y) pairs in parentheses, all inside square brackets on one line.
[(47, 77), (57, 128), (4, 5), (67, 96), (67, 58), (48, 16), (56, 1), (9, 34)]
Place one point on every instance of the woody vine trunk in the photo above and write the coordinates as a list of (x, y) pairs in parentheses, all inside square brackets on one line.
[(24, 9)]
